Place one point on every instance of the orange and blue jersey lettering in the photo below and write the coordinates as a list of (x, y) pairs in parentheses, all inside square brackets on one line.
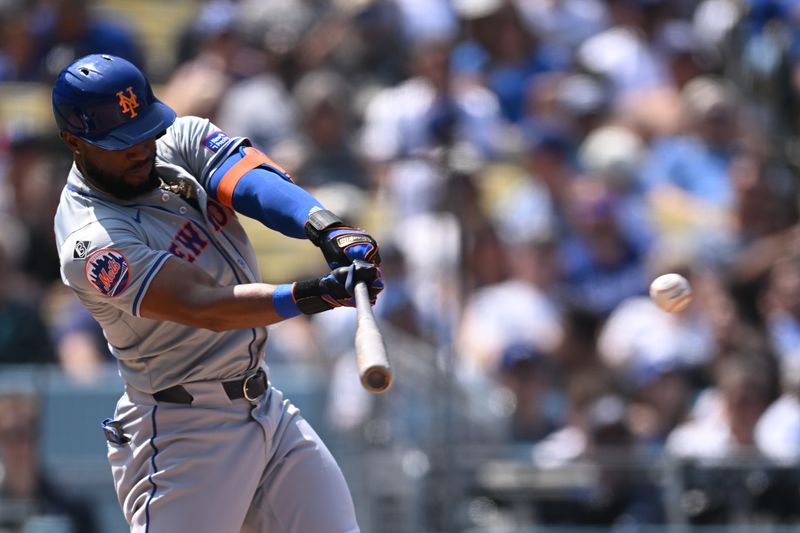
[(188, 243)]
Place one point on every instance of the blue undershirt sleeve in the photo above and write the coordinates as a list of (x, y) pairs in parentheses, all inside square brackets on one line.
[(266, 194), (278, 204)]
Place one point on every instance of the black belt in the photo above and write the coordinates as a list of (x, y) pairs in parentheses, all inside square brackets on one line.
[(250, 388)]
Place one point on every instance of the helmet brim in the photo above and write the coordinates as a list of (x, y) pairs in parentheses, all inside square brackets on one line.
[(155, 120)]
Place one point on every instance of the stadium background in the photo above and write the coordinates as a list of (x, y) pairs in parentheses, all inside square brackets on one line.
[(528, 166)]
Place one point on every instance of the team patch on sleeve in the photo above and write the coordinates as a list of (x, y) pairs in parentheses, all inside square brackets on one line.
[(215, 141), (108, 271)]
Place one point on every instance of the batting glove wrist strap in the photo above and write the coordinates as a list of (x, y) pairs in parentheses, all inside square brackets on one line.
[(319, 221), (340, 244), (307, 296)]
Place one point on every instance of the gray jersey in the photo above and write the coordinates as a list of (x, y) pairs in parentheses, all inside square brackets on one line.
[(110, 251)]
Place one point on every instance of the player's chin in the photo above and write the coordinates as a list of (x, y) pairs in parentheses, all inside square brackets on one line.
[(138, 176)]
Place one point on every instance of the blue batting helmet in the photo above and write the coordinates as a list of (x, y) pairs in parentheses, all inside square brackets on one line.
[(106, 101)]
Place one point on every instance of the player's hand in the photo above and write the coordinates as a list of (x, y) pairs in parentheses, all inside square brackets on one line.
[(341, 244), (338, 287)]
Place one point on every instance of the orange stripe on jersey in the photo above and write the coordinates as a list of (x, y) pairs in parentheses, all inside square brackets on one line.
[(253, 158)]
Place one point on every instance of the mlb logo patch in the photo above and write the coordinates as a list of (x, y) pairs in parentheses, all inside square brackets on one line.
[(215, 141), (81, 247), (107, 270)]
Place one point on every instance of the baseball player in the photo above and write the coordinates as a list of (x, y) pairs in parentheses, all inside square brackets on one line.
[(149, 240)]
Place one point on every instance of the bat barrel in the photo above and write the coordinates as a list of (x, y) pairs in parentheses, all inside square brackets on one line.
[(371, 358)]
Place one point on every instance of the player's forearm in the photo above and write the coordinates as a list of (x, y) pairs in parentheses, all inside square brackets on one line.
[(183, 293), (239, 307), (218, 308)]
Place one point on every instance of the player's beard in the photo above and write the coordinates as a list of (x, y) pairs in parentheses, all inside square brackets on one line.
[(115, 185)]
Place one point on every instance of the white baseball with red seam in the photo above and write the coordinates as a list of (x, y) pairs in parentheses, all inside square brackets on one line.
[(671, 292)]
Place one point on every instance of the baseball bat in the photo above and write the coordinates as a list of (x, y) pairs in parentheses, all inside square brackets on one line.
[(371, 359)]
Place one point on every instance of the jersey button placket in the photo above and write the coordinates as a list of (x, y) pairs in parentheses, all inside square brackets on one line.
[(165, 197), (182, 210)]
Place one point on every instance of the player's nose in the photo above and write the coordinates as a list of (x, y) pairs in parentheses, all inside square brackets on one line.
[(140, 152)]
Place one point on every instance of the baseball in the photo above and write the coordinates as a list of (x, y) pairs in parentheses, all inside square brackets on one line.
[(671, 292)]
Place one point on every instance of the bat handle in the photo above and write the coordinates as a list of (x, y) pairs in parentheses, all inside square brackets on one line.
[(371, 357)]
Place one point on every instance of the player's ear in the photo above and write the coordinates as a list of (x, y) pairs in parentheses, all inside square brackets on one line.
[(72, 142)]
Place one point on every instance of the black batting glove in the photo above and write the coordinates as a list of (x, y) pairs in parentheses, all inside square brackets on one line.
[(337, 289), (340, 244)]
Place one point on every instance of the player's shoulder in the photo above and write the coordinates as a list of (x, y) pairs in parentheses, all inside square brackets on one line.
[(189, 123), (188, 129), (82, 219), (78, 207), (192, 137)]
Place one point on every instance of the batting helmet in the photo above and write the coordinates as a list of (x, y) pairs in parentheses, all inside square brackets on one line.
[(106, 101)]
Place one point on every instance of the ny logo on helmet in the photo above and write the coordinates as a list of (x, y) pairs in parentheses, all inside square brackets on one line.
[(128, 102)]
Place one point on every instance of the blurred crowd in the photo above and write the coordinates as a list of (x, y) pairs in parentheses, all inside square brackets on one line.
[(528, 166)]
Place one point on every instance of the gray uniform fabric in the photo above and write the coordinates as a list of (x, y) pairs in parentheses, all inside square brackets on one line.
[(217, 465)]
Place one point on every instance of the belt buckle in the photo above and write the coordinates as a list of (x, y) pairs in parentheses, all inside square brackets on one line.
[(246, 382)]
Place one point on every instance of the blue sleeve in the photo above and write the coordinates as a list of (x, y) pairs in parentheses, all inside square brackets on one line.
[(265, 193)]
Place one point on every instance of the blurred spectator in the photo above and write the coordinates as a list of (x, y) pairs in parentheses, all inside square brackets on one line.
[(564, 24), (24, 337), (688, 177), (81, 348), (777, 433), (661, 399), (485, 261), (278, 29), (723, 426), (764, 218), (781, 308), (624, 53), (618, 494), (503, 50), (18, 44), (27, 496), (427, 111), (199, 85), (730, 314), (212, 19), (518, 309), (396, 307), (537, 405), (364, 41), (483, 255), (33, 171), (534, 207), (577, 353), (714, 20), (583, 103), (69, 29), (678, 42), (424, 20), (614, 154), (726, 478), (602, 265), (323, 100)]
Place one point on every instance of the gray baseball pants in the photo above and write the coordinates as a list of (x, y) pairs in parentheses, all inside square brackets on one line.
[(225, 466)]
